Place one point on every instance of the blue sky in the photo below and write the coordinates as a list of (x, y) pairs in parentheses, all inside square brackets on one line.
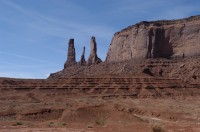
[(34, 33)]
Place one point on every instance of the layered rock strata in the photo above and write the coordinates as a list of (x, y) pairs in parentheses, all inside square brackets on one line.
[(157, 39), (93, 58)]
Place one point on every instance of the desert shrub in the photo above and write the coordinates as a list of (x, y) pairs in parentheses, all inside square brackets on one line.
[(50, 124), (101, 119), (99, 122), (17, 124), (89, 126), (157, 129), (172, 85), (149, 87), (64, 124), (147, 71)]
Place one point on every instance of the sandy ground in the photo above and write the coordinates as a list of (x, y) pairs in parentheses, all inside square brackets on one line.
[(96, 105), (42, 112)]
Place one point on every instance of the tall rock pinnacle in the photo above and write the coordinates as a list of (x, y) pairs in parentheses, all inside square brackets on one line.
[(93, 58), (71, 57), (82, 61)]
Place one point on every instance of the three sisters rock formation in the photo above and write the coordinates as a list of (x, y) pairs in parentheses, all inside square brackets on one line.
[(71, 57)]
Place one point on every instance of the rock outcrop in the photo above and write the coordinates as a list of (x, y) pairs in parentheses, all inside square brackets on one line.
[(157, 39), (82, 61), (71, 56), (93, 58)]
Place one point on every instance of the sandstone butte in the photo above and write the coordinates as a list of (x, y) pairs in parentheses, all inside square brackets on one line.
[(157, 39), (150, 81)]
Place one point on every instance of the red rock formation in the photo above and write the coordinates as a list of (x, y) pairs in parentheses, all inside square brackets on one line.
[(71, 57), (157, 39), (82, 61), (93, 58)]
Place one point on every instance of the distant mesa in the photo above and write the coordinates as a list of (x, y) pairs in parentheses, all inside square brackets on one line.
[(71, 56)]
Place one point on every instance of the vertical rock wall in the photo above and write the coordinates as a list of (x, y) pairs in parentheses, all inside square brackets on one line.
[(161, 39)]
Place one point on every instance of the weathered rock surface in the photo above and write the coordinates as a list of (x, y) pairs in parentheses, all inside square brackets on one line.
[(157, 39), (130, 47), (93, 58), (82, 61), (71, 57)]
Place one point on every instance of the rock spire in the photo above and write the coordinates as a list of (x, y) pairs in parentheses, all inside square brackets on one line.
[(82, 61), (93, 58), (71, 56)]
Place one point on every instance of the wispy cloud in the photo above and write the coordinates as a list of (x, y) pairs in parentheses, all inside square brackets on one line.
[(16, 75), (22, 75), (180, 11), (6, 64), (154, 9), (25, 57), (59, 27)]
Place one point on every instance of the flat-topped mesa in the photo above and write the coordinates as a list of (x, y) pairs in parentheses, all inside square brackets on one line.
[(71, 56), (82, 61), (157, 39), (93, 58)]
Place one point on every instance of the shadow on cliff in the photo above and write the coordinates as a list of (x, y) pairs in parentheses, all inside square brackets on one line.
[(159, 44)]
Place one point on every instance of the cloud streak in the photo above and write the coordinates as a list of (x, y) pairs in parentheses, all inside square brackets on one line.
[(154, 9), (25, 57), (20, 74), (57, 27)]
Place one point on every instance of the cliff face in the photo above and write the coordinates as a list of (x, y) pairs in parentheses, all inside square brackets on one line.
[(157, 39)]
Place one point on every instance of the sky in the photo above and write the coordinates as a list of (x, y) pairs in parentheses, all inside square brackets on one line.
[(34, 34)]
